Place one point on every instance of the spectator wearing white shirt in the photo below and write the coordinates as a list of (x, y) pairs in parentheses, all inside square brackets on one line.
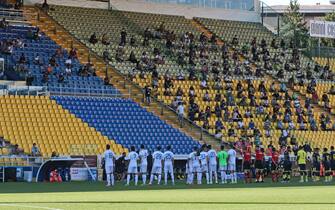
[(181, 111), (35, 151)]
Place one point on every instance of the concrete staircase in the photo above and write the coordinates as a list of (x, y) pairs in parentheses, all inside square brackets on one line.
[(63, 38)]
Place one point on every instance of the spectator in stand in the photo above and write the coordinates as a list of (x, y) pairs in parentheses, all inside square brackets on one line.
[(180, 111), (123, 38), (73, 53), (93, 38), (105, 39), (219, 125), (4, 23), (332, 90), (147, 94), (22, 59), (119, 56), (251, 125), (16, 150), (35, 151)]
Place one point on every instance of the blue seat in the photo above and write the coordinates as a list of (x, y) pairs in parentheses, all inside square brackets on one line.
[(113, 119)]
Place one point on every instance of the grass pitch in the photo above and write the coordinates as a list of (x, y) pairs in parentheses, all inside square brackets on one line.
[(95, 196)]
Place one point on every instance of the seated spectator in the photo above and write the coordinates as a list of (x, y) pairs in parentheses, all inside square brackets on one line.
[(119, 54), (133, 41), (231, 132), (4, 23), (54, 154), (16, 150), (105, 39), (37, 60), (73, 53), (61, 78), (93, 38), (206, 124), (107, 81), (23, 59), (68, 71), (332, 90), (219, 125), (180, 76), (283, 87), (206, 97), (251, 125), (218, 134), (240, 124), (35, 151), (203, 84), (132, 57)]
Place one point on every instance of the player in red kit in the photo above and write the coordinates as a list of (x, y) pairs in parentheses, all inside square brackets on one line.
[(274, 165), (259, 164), (247, 165)]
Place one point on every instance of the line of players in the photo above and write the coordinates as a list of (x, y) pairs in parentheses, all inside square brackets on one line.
[(159, 159), (281, 165), (199, 163), (208, 162)]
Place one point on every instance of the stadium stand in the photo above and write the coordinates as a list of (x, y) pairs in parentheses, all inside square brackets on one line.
[(47, 63), (126, 122), (38, 119), (207, 53)]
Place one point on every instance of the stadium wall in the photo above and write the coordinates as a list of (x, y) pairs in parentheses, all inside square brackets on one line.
[(163, 8)]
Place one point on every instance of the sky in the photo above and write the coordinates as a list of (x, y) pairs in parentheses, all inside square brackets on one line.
[(286, 2)]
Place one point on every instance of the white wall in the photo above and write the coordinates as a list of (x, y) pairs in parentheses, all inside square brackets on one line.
[(158, 8)]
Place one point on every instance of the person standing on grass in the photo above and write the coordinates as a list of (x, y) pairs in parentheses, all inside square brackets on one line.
[(232, 164), (204, 161), (143, 154), (301, 160), (316, 164), (287, 166), (259, 164), (274, 165), (168, 158), (326, 164), (157, 157), (194, 157), (223, 164), (132, 167), (332, 162), (109, 158), (212, 164), (247, 165)]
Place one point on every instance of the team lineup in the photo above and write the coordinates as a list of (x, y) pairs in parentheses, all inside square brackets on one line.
[(207, 162)]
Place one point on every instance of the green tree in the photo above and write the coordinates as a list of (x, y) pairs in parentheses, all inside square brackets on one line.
[(294, 25)]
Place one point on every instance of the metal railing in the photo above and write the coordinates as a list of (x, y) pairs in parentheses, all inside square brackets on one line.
[(98, 92), (12, 89)]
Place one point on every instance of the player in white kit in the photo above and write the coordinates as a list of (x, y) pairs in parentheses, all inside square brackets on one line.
[(132, 167), (188, 171), (204, 162), (168, 158), (232, 164), (157, 157), (144, 163), (212, 164), (196, 170), (109, 158)]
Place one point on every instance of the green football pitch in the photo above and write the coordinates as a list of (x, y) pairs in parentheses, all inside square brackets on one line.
[(95, 196)]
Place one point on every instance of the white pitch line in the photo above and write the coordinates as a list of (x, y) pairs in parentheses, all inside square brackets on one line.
[(32, 207)]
